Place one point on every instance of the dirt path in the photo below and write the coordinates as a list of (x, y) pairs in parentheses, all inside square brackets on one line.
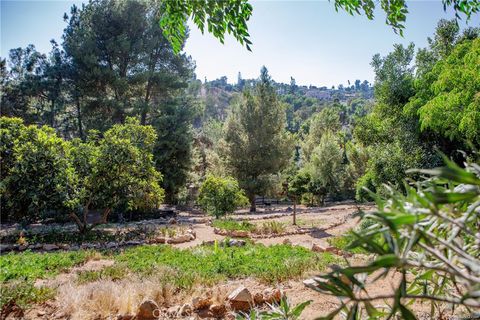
[(204, 233), (324, 222)]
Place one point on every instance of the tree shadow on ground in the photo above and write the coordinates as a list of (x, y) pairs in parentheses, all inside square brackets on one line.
[(319, 233)]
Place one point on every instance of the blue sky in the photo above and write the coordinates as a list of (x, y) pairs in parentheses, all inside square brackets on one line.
[(304, 39)]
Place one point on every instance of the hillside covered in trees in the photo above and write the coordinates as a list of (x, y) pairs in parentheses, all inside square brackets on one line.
[(113, 126)]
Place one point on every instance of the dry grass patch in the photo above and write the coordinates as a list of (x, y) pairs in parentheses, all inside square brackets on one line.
[(108, 298)]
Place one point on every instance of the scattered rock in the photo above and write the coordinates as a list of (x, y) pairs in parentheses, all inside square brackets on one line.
[(185, 310), (201, 303), (272, 295), (158, 240), (317, 248), (37, 246), (173, 311), (239, 233), (172, 221), (50, 247), (221, 232), (236, 243), (111, 245), (192, 232), (192, 237), (331, 249), (289, 209), (258, 298), (240, 299), (287, 241), (310, 283), (6, 247), (218, 310), (87, 246), (179, 239), (148, 310), (134, 242)]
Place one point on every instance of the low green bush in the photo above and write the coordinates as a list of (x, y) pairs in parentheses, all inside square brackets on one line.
[(231, 225), (24, 293), (270, 227), (31, 266), (344, 241), (37, 176), (219, 196), (115, 272)]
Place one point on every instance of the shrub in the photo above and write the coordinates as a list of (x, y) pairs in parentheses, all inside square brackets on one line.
[(10, 130), (24, 293), (117, 172), (219, 196), (37, 176), (327, 169), (43, 173), (274, 227), (388, 163), (429, 235), (228, 224)]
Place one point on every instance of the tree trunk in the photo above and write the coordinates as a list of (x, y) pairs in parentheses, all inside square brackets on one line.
[(143, 118), (79, 119), (52, 120), (253, 206), (295, 211)]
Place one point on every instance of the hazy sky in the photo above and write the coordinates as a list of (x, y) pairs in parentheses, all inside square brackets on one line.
[(304, 39)]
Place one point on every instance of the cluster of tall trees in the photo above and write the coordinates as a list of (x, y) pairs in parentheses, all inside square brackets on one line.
[(45, 176), (114, 62), (306, 143), (426, 103)]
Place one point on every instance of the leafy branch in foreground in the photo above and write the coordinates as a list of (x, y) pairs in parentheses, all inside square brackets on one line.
[(282, 311), (221, 16), (428, 238)]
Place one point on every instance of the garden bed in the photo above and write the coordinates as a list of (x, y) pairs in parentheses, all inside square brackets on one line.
[(243, 229), (98, 239)]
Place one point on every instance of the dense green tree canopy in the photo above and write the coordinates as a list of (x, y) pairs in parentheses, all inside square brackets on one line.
[(326, 121), (219, 196), (447, 100), (121, 62), (37, 177), (257, 144)]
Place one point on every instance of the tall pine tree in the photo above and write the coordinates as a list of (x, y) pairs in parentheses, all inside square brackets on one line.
[(257, 144)]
